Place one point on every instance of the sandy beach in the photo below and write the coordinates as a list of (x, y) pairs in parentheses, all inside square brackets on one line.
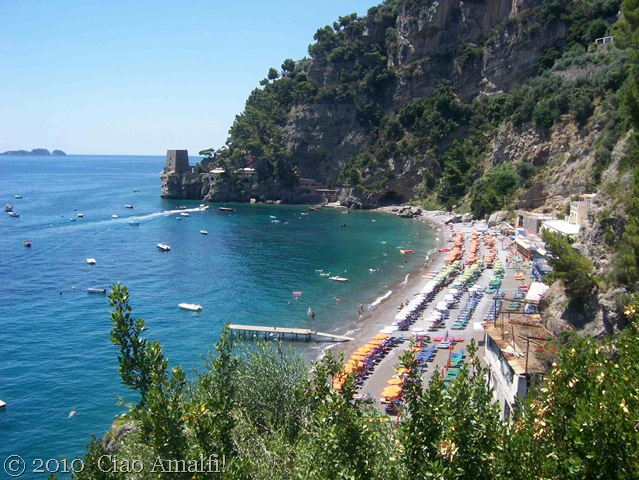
[(374, 319)]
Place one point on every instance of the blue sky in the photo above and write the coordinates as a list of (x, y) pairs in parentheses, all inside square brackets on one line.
[(141, 76)]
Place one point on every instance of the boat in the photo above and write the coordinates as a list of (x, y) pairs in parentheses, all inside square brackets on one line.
[(3, 404), (128, 205), (226, 209), (17, 196), (190, 306), (338, 279), (405, 250), (27, 243), (91, 261), (164, 247), (114, 216), (184, 214), (8, 208), (181, 207), (96, 290), (80, 215), (134, 223), (13, 214), (204, 232)]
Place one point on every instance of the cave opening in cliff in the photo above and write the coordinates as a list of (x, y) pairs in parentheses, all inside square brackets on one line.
[(390, 198)]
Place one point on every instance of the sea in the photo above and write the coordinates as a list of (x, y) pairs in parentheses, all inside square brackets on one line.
[(58, 369)]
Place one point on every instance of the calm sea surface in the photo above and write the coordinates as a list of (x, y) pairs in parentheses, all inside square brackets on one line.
[(55, 353)]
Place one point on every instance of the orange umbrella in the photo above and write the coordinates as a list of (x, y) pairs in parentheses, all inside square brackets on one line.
[(391, 392), (402, 370), (395, 381), (375, 343), (380, 336), (365, 349)]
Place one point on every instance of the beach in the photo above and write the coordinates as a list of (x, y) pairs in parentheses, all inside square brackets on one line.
[(375, 318)]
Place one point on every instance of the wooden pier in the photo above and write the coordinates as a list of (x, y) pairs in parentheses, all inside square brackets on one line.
[(285, 333)]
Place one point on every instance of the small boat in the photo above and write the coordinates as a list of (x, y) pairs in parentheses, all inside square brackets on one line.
[(204, 232), (136, 191), (338, 279), (8, 208), (3, 404), (80, 215), (13, 214), (91, 261), (128, 205), (184, 214), (181, 207), (226, 209), (164, 247), (190, 306), (405, 250), (114, 216), (17, 196), (27, 243), (72, 412), (134, 223), (96, 290)]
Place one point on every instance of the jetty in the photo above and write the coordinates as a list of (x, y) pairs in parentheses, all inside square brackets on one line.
[(285, 333)]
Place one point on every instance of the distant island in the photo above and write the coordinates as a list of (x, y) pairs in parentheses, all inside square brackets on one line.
[(40, 152)]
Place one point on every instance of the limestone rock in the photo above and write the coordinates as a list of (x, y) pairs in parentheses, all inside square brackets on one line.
[(497, 218)]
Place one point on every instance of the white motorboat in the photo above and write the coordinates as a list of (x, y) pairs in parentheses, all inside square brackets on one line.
[(91, 261), (164, 247), (96, 290), (114, 216), (13, 214), (80, 215), (338, 279), (190, 306), (204, 232), (184, 214), (3, 404), (128, 205)]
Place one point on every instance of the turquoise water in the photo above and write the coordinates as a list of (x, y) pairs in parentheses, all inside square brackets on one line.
[(55, 353)]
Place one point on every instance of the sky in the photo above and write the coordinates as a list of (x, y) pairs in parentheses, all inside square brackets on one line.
[(139, 77)]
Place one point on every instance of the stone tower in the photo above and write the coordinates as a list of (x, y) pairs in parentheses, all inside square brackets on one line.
[(177, 161)]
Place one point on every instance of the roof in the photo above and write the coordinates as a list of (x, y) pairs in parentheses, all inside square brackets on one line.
[(562, 227), (536, 290), (528, 331)]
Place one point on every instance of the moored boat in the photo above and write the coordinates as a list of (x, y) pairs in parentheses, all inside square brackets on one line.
[(27, 243), (3, 404), (204, 232), (184, 214), (128, 205), (406, 250), (13, 214), (338, 279), (134, 223), (91, 261), (190, 306), (96, 290), (164, 247), (226, 209)]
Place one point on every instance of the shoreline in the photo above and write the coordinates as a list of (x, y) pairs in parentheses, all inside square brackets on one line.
[(383, 314)]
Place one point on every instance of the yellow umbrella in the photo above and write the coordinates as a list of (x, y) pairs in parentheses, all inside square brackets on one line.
[(380, 336)]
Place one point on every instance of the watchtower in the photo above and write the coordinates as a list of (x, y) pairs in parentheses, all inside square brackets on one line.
[(177, 161)]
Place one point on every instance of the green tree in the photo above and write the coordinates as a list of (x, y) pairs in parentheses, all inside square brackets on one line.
[(627, 259), (572, 268)]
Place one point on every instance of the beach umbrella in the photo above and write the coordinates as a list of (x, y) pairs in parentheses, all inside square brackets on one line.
[(392, 391), (380, 336), (402, 370), (395, 381)]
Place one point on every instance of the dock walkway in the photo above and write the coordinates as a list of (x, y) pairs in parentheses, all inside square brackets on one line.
[(281, 333)]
